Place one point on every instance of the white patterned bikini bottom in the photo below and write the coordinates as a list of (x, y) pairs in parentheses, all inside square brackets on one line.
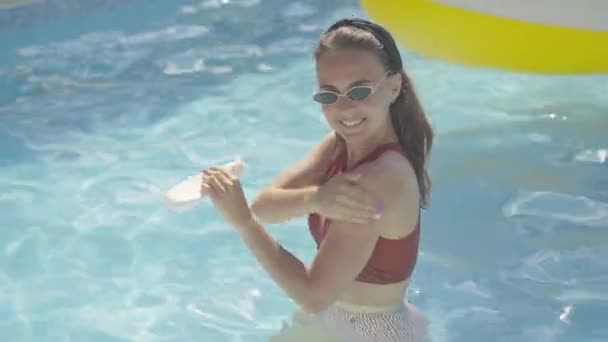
[(405, 324)]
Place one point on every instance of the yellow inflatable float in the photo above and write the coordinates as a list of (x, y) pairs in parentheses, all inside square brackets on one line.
[(536, 36)]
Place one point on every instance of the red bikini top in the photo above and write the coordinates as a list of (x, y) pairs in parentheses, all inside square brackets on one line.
[(393, 260)]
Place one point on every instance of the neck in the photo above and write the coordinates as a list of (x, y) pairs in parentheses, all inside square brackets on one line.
[(357, 149)]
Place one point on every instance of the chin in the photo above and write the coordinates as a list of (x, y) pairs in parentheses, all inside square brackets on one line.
[(357, 138)]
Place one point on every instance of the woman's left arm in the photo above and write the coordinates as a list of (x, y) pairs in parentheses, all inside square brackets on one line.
[(346, 248)]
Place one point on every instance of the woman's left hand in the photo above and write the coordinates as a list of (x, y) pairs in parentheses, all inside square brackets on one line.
[(227, 195)]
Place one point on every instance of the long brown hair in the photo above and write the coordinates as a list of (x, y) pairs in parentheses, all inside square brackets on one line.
[(408, 118)]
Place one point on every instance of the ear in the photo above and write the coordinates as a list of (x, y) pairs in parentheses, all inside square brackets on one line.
[(396, 82)]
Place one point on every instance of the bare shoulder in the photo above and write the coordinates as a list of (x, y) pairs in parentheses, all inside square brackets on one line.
[(391, 178), (391, 173)]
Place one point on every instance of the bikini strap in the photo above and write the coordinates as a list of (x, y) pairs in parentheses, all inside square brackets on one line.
[(379, 151), (340, 160)]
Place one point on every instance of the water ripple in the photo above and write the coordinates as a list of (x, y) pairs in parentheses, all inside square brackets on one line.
[(578, 210), (84, 45), (599, 156), (571, 277)]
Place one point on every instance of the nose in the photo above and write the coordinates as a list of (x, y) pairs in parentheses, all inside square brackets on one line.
[(345, 104)]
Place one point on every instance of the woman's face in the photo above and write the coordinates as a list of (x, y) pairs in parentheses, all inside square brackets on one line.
[(342, 70)]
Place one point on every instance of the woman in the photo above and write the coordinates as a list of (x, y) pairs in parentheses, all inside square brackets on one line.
[(363, 188)]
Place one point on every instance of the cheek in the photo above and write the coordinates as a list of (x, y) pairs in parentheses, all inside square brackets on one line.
[(330, 112), (376, 104), (382, 102)]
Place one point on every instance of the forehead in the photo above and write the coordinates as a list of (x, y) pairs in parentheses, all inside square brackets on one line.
[(340, 67)]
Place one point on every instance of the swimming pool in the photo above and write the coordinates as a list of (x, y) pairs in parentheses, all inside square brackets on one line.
[(101, 111)]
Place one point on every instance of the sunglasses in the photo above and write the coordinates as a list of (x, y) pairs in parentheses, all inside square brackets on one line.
[(356, 93)]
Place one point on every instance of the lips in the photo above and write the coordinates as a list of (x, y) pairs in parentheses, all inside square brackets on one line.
[(352, 123)]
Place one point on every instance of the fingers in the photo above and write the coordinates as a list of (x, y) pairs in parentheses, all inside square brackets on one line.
[(350, 209), (218, 179), (358, 197), (224, 171), (349, 214), (356, 194), (205, 189), (212, 180), (354, 203)]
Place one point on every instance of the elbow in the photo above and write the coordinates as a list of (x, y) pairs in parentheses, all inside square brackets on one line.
[(261, 210), (262, 213), (258, 201), (257, 207), (317, 302), (314, 307), (319, 295)]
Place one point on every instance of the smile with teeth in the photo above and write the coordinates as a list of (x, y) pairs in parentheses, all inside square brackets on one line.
[(351, 123)]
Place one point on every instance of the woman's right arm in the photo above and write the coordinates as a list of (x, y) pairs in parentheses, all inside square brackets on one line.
[(291, 193)]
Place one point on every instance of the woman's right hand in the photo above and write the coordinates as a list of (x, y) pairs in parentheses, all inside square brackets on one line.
[(342, 198)]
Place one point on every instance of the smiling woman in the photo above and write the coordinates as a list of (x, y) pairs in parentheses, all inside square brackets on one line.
[(375, 158)]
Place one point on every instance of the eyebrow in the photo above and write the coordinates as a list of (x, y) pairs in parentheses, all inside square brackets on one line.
[(353, 84)]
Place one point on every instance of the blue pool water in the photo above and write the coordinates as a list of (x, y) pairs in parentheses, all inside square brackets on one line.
[(102, 110)]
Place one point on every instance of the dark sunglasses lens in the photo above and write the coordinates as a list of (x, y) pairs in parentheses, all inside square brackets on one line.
[(325, 97), (359, 93)]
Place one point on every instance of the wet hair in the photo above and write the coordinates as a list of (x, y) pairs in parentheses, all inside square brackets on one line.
[(408, 118)]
